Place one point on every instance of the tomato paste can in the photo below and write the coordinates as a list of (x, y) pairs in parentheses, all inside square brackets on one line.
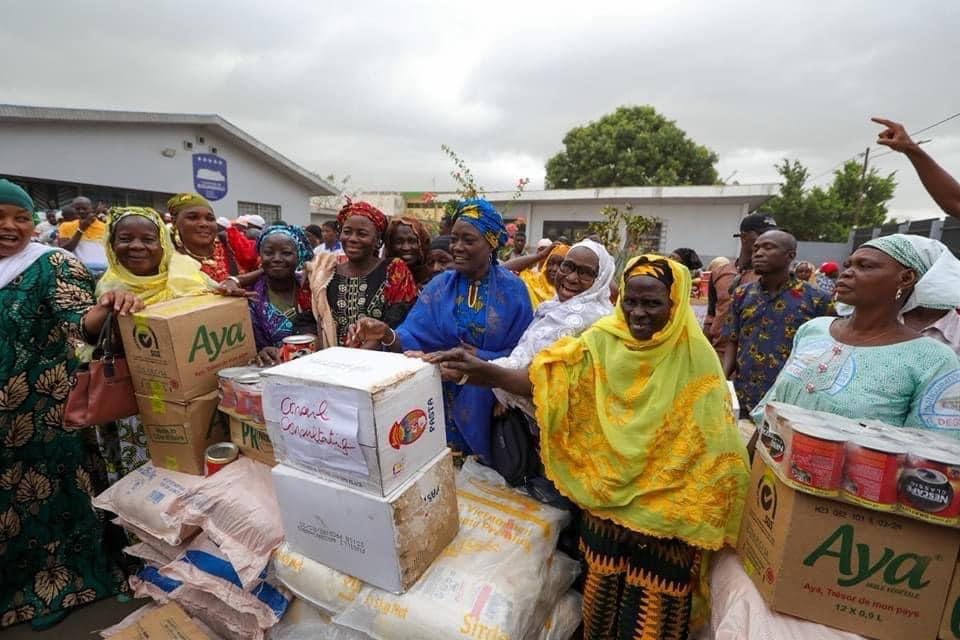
[(249, 390), (220, 455), (297, 346), (871, 471), (225, 378), (815, 458), (929, 486)]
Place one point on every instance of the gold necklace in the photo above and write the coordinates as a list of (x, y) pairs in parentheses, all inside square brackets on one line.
[(473, 295)]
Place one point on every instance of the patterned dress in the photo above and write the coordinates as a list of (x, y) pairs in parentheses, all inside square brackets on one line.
[(51, 540), (385, 294)]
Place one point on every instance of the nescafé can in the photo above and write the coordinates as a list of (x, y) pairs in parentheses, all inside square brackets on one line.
[(220, 455), (929, 486), (815, 458), (297, 346), (226, 377), (871, 470)]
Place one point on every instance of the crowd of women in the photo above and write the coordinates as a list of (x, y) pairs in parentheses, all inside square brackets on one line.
[(624, 404)]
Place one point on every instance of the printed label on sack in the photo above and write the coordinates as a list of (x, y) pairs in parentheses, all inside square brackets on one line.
[(318, 426)]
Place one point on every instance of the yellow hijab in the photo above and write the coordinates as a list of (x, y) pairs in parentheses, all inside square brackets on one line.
[(178, 276), (642, 432), (539, 288)]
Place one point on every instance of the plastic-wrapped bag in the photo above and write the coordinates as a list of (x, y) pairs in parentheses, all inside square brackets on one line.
[(306, 622), (238, 509), (563, 621), (486, 583), (562, 571), (738, 611), (161, 547), (316, 583), (144, 498), (109, 632), (204, 567)]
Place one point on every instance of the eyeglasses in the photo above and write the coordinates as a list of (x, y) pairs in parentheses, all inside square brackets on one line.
[(583, 272)]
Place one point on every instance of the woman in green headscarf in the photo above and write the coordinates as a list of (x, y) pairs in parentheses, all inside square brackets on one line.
[(51, 539), (870, 364)]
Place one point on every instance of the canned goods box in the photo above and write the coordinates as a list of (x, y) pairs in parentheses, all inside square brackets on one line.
[(175, 349), (950, 622), (876, 574), (367, 419), (915, 473), (253, 440), (178, 433), (386, 542)]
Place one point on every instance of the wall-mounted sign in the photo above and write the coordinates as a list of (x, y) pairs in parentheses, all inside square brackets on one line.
[(210, 175)]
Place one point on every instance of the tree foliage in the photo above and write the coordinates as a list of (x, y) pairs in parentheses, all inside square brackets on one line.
[(622, 232), (633, 146), (828, 214)]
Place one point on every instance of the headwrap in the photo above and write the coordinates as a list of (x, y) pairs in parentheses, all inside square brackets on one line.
[(812, 279), (539, 287), (14, 194), (182, 201), (938, 286), (418, 229), (641, 432), (365, 210), (440, 243), (177, 277), (718, 262), (295, 234), (653, 266), (554, 319), (488, 221), (829, 268)]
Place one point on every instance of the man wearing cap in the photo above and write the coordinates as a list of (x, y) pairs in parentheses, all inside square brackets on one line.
[(255, 225), (732, 275)]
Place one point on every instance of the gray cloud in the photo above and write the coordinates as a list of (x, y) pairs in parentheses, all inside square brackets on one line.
[(373, 89)]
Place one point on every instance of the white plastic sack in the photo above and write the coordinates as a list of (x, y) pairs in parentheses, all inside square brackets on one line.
[(161, 547), (562, 571), (202, 566), (738, 611), (304, 621), (238, 509), (143, 498), (563, 620), (316, 583), (486, 583)]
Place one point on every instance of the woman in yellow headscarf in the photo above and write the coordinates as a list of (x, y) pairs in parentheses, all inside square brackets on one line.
[(637, 429), (141, 259), (540, 282)]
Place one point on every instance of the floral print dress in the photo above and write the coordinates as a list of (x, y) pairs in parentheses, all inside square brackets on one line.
[(51, 539)]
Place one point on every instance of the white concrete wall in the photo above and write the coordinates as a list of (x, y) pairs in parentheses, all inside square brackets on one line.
[(707, 228), (128, 156)]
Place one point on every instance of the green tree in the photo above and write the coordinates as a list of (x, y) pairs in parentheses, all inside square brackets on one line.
[(828, 214), (622, 233), (633, 146)]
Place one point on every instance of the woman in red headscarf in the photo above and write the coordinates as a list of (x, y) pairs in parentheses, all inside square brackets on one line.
[(366, 285), (408, 240)]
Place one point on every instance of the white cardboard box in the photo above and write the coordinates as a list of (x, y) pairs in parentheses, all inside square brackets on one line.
[(367, 419), (386, 542)]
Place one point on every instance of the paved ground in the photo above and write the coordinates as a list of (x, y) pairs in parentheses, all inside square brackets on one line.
[(81, 623)]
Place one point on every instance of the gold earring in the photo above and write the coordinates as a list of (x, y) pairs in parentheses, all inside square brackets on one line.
[(899, 293)]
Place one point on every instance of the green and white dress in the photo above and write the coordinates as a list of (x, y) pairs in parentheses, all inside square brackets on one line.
[(909, 384), (51, 539)]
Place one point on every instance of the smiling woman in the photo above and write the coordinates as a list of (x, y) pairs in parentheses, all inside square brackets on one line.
[(196, 234), (408, 240)]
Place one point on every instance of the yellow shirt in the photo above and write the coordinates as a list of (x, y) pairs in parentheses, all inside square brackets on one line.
[(96, 231)]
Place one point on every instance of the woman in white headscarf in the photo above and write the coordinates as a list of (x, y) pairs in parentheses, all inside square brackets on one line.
[(583, 297), (932, 309)]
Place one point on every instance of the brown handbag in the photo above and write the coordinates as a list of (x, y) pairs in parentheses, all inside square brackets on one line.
[(102, 391)]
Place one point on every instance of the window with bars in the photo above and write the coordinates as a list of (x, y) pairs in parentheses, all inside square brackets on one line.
[(269, 212)]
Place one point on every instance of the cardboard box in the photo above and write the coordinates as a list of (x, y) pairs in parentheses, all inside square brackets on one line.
[(367, 419), (179, 433), (950, 622), (880, 575), (175, 349), (387, 542), (253, 440), (169, 622)]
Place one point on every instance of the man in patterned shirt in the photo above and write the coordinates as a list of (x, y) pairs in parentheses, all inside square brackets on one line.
[(765, 315)]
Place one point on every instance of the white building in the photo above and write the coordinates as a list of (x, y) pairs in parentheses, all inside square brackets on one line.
[(701, 218), (140, 158)]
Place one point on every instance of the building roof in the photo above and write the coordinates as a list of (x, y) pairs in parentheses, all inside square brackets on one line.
[(753, 195), (212, 122)]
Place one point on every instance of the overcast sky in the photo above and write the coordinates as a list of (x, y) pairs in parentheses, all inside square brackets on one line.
[(372, 89)]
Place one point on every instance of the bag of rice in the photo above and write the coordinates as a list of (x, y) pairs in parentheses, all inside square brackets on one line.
[(237, 508), (318, 584), (144, 498), (148, 554), (304, 621), (562, 571), (161, 547), (485, 584), (203, 566), (563, 620)]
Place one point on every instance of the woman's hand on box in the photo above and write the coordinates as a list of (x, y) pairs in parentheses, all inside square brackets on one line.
[(268, 357)]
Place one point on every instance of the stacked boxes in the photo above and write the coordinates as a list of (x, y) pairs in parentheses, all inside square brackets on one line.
[(174, 351), (364, 482)]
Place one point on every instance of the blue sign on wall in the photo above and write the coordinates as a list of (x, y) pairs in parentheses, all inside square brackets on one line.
[(210, 175)]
